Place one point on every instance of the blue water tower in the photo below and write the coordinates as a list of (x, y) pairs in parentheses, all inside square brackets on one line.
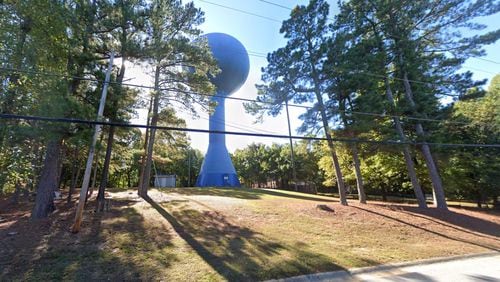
[(232, 59)]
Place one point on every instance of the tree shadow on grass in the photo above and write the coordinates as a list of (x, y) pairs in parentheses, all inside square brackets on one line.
[(239, 253), (458, 221), (19, 237), (246, 193), (491, 248), (116, 245), (482, 278)]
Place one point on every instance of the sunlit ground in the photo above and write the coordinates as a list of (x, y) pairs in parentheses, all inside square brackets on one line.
[(235, 234)]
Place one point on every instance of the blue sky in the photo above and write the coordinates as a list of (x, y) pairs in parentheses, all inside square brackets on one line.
[(261, 36)]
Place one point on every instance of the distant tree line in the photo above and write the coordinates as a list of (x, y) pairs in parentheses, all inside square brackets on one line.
[(259, 165)]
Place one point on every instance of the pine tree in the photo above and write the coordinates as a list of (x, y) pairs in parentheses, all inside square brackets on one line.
[(126, 25), (296, 73), (410, 37), (181, 62)]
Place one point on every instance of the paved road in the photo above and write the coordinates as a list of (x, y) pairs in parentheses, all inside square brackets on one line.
[(484, 268)]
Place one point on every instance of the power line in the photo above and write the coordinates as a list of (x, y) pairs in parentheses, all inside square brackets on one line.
[(233, 98), (408, 117), (264, 55), (277, 5), (242, 126), (235, 125), (350, 71), (287, 8), (224, 97), (257, 56), (185, 129), (241, 11), (137, 86), (331, 19), (260, 55), (486, 60), (479, 70)]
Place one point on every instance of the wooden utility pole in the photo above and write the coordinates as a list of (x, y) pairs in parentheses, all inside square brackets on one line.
[(189, 167), (88, 168), (292, 155)]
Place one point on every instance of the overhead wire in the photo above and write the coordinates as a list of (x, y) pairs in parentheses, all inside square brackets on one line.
[(395, 78), (227, 97), (479, 70), (486, 60), (271, 134), (331, 19), (186, 129), (287, 8), (366, 73), (277, 5), (235, 124), (241, 11), (264, 55)]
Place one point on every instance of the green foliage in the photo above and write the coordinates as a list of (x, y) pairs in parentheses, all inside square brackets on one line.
[(33, 47), (181, 59), (172, 152), (270, 166), (345, 64), (473, 173), (295, 72), (249, 164), (72, 38)]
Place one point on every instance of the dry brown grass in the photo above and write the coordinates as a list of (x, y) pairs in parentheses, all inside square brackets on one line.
[(222, 234)]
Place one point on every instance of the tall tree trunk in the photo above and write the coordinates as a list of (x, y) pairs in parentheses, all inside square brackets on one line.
[(75, 174), (357, 164), (357, 171), (61, 184), (143, 192), (326, 128), (73, 183), (60, 167), (410, 165), (384, 193), (331, 146), (437, 184), (496, 203), (94, 174), (111, 134), (15, 197), (143, 157), (129, 179), (479, 198), (44, 203), (105, 170)]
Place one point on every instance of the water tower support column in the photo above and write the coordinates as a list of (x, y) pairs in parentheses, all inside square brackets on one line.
[(217, 169)]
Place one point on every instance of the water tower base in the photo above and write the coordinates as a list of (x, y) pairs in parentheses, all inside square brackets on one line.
[(218, 180)]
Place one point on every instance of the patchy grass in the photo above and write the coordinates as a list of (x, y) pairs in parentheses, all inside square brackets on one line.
[(200, 234)]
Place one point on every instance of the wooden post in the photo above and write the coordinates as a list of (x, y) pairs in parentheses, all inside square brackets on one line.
[(291, 147), (88, 168)]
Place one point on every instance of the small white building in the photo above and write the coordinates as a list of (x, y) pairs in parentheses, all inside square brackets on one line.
[(166, 180)]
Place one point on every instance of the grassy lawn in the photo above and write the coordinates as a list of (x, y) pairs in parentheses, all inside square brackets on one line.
[(199, 234)]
